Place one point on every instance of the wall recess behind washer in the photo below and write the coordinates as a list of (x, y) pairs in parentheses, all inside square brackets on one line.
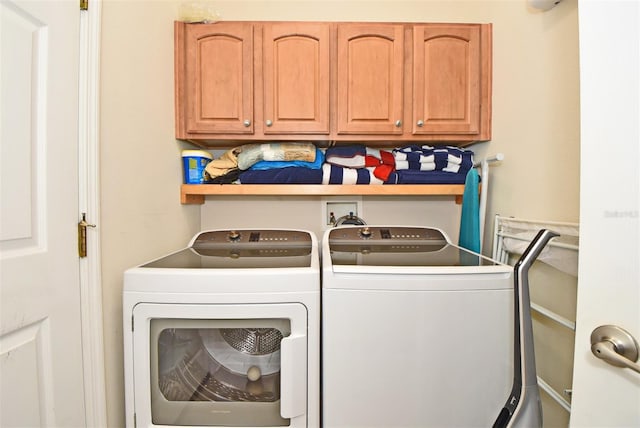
[(339, 206)]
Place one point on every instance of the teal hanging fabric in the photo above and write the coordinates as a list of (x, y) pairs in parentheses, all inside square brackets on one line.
[(470, 218)]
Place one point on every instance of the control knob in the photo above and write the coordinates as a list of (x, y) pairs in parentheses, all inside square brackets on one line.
[(365, 232), (233, 236)]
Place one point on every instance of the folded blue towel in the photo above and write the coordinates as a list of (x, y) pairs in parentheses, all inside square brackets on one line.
[(352, 156), (289, 175), (425, 177), (470, 219)]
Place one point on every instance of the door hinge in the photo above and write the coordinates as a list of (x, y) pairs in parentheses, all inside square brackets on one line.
[(82, 235), (84, 4)]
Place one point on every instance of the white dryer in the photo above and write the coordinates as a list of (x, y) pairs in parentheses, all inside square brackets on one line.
[(225, 332), (416, 331)]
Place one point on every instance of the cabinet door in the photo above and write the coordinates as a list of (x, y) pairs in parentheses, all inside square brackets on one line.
[(219, 78), (446, 79), (296, 78), (370, 78)]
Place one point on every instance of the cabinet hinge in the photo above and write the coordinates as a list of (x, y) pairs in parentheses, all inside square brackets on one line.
[(84, 4), (132, 324)]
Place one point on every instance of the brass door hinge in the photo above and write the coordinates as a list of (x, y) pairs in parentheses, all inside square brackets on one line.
[(84, 4), (82, 236)]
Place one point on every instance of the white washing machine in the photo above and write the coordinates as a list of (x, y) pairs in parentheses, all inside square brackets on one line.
[(416, 331), (225, 333)]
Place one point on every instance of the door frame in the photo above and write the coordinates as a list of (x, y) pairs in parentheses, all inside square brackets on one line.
[(89, 203)]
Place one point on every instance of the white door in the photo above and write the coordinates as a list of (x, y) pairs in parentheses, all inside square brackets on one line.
[(609, 279), (40, 332)]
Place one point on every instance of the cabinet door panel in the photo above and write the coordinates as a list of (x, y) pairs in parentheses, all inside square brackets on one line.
[(296, 78), (446, 86), (219, 70), (370, 79)]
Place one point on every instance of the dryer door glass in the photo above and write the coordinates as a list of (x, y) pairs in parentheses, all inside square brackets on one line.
[(216, 372)]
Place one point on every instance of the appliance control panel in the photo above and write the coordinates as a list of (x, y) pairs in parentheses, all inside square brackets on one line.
[(387, 235), (251, 238)]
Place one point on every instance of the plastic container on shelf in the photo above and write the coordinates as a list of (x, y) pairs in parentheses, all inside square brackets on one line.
[(193, 164)]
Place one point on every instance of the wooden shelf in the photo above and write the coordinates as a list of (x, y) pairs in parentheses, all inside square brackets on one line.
[(195, 193)]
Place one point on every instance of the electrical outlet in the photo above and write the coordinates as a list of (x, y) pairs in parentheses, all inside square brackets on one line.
[(332, 210)]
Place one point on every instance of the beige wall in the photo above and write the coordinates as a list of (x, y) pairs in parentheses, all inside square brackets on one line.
[(535, 124), (140, 162)]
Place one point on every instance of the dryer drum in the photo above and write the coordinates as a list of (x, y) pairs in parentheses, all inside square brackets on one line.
[(199, 378), (253, 341)]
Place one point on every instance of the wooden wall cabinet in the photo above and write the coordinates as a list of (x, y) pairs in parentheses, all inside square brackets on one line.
[(214, 80), (377, 82), (244, 80), (451, 80), (370, 79), (295, 75)]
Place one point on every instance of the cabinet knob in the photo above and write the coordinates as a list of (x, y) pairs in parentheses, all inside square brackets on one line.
[(420, 123), (269, 122), (246, 123), (398, 123)]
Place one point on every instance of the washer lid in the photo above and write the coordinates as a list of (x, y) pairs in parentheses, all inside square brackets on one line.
[(398, 246), (242, 249)]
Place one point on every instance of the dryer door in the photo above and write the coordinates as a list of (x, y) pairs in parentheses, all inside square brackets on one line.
[(220, 365)]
